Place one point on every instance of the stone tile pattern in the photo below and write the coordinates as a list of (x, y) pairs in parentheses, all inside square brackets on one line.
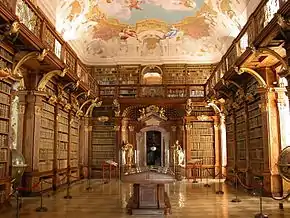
[(187, 200)]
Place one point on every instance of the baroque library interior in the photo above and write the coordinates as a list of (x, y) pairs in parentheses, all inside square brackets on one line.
[(114, 108)]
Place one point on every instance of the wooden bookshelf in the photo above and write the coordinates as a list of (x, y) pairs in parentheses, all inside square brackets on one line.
[(256, 146), (106, 75), (5, 101), (129, 75), (174, 74), (230, 133), (62, 147), (74, 143), (46, 145), (200, 143), (103, 143), (241, 133)]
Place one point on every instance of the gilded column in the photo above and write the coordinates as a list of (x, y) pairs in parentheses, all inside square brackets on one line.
[(223, 143), (217, 142), (124, 130)]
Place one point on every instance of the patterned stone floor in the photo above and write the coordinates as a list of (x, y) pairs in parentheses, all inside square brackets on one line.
[(187, 199)]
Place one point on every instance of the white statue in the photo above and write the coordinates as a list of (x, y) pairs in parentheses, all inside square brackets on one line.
[(180, 156)]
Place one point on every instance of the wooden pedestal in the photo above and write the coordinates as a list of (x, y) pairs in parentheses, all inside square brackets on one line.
[(149, 199)]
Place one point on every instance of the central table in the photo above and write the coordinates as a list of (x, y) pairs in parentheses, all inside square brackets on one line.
[(149, 195)]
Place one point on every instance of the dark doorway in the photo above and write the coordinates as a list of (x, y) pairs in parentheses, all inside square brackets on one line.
[(153, 145)]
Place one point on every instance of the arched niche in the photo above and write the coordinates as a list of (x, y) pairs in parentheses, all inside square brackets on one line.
[(151, 75)]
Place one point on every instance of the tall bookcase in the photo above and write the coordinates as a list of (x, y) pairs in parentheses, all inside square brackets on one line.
[(103, 143), (62, 146), (241, 132), (74, 147), (200, 143), (256, 146), (230, 133), (5, 100)]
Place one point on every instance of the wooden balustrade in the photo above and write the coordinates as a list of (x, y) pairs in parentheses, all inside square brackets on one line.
[(256, 23)]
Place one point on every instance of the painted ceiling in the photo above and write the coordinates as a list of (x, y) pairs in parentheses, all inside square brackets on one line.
[(150, 31)]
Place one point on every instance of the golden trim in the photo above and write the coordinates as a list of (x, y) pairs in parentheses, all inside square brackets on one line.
[(46, 77), (255, 74), (91, 108)]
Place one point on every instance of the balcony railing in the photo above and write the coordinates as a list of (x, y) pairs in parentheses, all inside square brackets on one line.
[(35, 21), (260, 18), (152, 91)]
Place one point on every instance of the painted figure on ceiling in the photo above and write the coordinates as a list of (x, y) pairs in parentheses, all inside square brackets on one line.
[(135, 4), (172, 33), (187, 3), (127, 33), (76, 10)]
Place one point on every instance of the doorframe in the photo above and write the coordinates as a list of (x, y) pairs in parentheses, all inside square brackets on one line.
[(142, 147)]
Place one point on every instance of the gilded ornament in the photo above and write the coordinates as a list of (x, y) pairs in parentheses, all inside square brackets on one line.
[(42, 55), (67, 107), (131, 128), (52, 99), (103, 119), (38, 110), (21, 109), (116, 107), (203, 118)]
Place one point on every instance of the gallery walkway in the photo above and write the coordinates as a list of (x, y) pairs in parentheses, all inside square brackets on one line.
[(109, 201)]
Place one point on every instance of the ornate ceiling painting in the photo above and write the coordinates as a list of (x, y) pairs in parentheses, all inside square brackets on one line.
[(149, 31)]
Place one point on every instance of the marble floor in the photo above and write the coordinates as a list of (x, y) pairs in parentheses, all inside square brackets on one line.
[(109, 201)]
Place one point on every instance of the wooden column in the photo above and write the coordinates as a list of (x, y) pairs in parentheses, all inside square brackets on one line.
[(271, 137), (82, 136), (31, 136), (21, 119), (55, 146), (88, 145)]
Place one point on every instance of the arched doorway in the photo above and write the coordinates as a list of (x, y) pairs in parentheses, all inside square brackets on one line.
[(153, 146)]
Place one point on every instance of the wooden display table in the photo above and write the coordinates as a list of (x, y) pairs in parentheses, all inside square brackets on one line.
[(109, 166), (193, 169), (149, 196)]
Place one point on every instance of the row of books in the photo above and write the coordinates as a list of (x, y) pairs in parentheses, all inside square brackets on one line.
[(5, 87), (46, 143), (3, 170), (3, 140), (48, 107), (46, 133), (3, 155), (46, 165), (62, 127), (47, 115), (4, 99), (46, 123)]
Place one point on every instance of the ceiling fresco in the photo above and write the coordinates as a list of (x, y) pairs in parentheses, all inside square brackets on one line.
[(148, 31)]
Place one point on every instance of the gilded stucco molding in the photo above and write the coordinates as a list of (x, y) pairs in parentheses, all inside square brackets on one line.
[(94, 104), (46, 77), (16, 72), (255, 74)]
